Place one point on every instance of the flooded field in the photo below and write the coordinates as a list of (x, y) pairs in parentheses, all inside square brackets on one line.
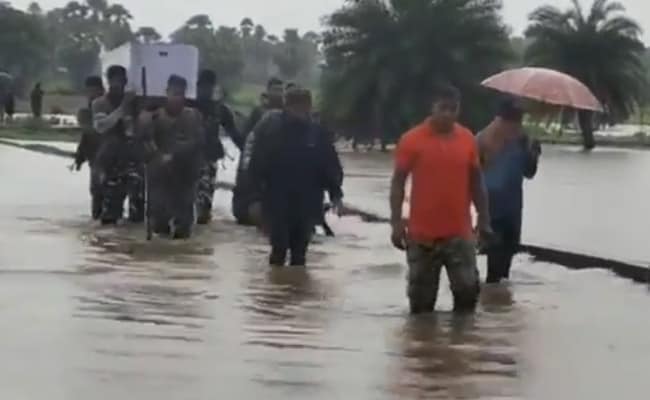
[(593, 204), (94, 313)]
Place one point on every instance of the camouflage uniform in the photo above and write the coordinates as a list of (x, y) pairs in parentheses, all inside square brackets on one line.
[(87, 152), (124, 180), (426, 261), (173, 184), (120, 162), (215, 115)]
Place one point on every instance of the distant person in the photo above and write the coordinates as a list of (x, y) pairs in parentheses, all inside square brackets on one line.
[(36, 101), (90, 143), (292, 163), (246, 203), (120, 155), (508, 156), (442, 159), (272, 99), (215, 116), (174, 145), (10, 105)]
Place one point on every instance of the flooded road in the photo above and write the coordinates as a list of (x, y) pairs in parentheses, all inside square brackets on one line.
[(596, 204), (94, 313)]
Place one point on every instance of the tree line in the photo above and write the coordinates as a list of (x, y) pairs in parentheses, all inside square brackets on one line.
[(384, 56), (377, 60), (67, 41)]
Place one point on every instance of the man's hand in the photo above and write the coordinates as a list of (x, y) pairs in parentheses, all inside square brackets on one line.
[(337, 207), (398, 235), (484, 231)]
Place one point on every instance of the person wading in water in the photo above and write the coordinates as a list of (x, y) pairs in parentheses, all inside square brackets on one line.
[(508, 156), (442, 159)]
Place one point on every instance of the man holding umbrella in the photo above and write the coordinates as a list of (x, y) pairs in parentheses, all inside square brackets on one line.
[(508, 156)]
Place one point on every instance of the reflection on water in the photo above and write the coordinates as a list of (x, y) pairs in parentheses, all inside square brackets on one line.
[(470, 357), (100, 313)]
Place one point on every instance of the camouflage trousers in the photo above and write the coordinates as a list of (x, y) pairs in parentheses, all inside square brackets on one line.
[(425, 261), (205, 192), (120, 183)]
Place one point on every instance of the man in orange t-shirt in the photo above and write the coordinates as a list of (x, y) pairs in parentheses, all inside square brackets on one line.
[(441, 157)]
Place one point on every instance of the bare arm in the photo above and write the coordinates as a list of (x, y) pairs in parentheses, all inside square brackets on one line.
[(104, 121), (480, 197), (397, 193)]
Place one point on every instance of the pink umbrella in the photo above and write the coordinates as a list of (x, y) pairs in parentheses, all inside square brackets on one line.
[(545, 85)]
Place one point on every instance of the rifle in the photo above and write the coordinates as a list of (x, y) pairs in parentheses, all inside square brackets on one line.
[(147, 207)]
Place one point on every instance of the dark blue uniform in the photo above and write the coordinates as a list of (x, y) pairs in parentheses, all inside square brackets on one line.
[(293, 162)]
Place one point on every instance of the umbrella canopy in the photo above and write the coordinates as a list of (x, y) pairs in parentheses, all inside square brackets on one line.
[(545, 85)]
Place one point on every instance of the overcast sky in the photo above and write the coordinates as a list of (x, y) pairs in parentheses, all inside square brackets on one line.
[(275, 15)]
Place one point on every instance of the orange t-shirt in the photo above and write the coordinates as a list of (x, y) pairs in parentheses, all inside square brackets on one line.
[(440, 167)]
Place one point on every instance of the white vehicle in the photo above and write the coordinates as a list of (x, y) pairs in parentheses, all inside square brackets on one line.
[(156, 62)]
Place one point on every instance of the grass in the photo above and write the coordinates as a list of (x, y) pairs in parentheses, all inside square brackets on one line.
[(61, 103), (639, 140), (42, 134)]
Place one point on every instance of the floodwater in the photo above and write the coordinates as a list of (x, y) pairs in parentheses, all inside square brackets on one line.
[(94, 313), (592, 203)]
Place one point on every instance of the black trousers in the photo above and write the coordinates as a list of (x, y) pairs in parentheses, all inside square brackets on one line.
[(96, 196), (172, 197), (291, 229), (503, 250)]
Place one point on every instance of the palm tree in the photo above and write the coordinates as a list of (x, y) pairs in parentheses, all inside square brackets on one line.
[(119, 15), (98, 9), (603, 49), (312, 37), (246, 27), (74, 9), (200, 21), (383, 58), (260, 33), (35, 8), (147, 35)]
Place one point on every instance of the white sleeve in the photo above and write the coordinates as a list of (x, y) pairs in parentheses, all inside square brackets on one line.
[(103, 122)]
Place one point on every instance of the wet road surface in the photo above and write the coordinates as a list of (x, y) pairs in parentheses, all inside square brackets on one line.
[(94, 313), (596, 204)]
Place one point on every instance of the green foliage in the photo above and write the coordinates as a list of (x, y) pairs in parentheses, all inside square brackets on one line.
[(220, 49), (384, 57), (601, 48), (23, 45), (80, 30), (247, 53), (148, 34)]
